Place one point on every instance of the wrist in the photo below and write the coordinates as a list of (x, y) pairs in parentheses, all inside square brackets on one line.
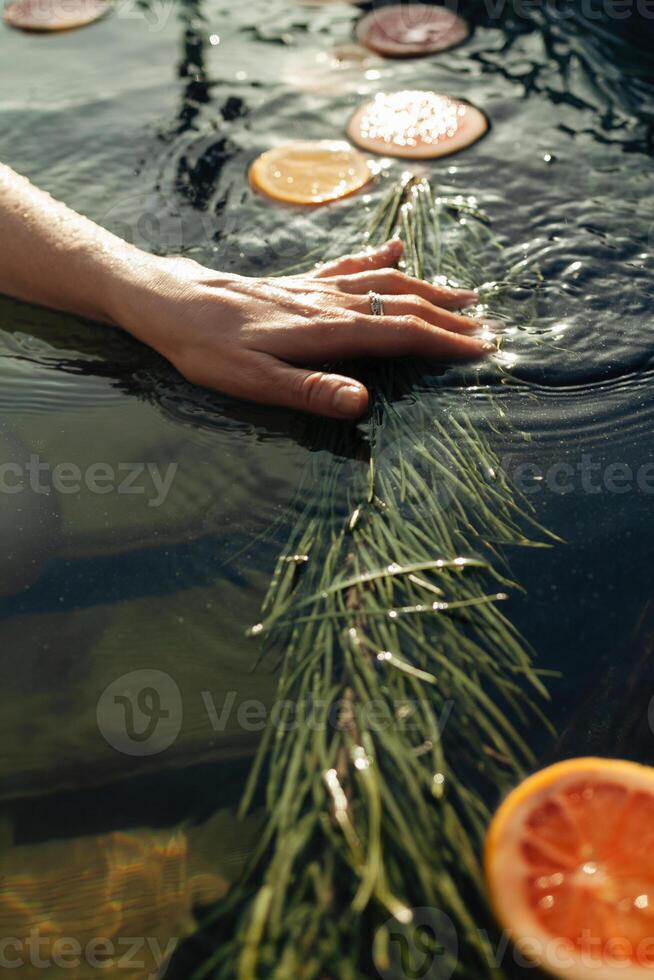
[(130, 281)]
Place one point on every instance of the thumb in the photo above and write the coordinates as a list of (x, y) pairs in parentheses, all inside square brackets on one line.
[(330, 395), (382, 257)]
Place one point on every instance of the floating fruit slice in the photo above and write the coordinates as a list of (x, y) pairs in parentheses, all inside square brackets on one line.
[(54, 15), (311, 172), (416, 124), (409, 29), (570, 867)]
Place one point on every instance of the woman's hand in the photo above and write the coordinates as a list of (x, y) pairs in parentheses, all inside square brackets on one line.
[(253, 338)]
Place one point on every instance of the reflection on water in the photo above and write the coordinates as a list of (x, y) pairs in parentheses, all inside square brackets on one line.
[(115, 905), (151, 135)]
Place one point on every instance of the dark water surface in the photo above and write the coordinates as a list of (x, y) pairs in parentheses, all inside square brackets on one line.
[(146, 122)]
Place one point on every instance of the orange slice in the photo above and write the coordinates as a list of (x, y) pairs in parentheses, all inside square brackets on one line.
[(416, 124), (54, 15), (570, 868), (311, 172), (403, 30)]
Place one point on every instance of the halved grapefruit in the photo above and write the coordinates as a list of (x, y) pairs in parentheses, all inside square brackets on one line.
[(570, 868)]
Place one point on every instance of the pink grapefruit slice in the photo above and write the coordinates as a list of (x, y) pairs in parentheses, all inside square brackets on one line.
[(54, 15), (570, 868), (416, 124), (406, 30)]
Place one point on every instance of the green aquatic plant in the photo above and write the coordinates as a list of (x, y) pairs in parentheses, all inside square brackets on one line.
[(404, 692)]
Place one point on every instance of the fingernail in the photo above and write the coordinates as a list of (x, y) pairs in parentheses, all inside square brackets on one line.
[(348, 400), (488, 347), (465, 299)]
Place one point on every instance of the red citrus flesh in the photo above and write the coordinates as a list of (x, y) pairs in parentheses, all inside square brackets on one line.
[(406, 30), (570, 867)]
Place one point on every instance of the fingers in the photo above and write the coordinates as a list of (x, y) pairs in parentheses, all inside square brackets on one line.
[(364, 335), (397, 306), (394, 282), (405, 335), (330, 395), (386, 255)]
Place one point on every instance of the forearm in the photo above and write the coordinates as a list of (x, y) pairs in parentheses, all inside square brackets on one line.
[(54, 257)]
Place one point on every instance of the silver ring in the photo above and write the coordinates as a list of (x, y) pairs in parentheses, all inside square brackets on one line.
[(376, 304)]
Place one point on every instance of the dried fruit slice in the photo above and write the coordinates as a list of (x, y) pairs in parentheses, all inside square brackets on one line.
[(416, 124), (570, 868), (403, 30), (310, 172), (54, 15)]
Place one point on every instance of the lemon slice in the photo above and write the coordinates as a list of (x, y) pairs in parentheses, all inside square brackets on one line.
[(310, 172)]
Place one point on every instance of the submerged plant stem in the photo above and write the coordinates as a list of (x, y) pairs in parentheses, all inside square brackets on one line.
[(403, 690)]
